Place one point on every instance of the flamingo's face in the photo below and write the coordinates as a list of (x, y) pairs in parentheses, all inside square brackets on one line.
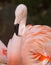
[(20, 18), (20, 13)]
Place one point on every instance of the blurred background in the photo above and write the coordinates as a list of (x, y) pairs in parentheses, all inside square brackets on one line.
[(39, 12)]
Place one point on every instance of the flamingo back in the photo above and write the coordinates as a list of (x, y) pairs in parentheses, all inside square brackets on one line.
[(36, 47)]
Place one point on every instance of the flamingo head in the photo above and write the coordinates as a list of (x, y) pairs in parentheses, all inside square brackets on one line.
[(20, 18), (20, 13)]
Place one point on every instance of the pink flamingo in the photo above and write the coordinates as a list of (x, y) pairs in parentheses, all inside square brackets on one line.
[(14, 44), (32, 44), (3, 53)]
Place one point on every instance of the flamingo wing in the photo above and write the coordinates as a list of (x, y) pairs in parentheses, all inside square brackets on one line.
[(36, 45)]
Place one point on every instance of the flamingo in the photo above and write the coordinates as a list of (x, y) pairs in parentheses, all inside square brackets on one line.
[(3, 53), (14, 44), (31, 45)]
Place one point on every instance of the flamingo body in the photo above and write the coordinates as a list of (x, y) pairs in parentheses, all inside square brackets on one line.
[(36, 45)]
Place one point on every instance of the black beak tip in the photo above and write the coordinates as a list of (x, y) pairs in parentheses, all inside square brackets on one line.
[(16, 28)]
